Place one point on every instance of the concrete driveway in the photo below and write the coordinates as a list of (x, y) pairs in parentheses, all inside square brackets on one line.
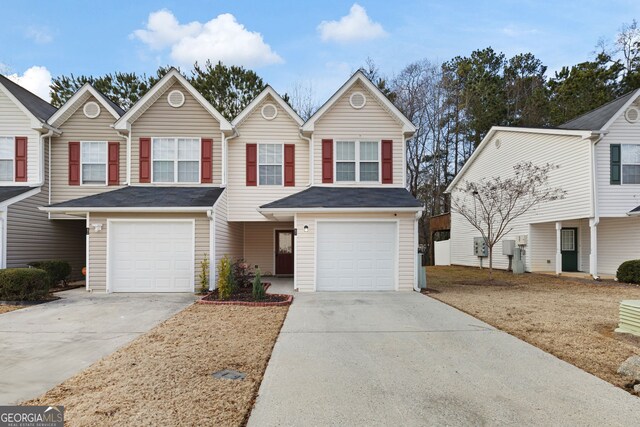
[(43, 345), (406, 359)]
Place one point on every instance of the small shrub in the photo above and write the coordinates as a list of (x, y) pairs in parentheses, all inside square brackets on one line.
[(204, 274), (258, 289), (242, 273), (629, 271), (57, 270), (231, 280), (224, 270), (23, 284)]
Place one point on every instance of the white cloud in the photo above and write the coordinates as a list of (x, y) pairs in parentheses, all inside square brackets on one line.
[(220, 39), (40, 35), (356, 26), (36, 79), (512, 30)]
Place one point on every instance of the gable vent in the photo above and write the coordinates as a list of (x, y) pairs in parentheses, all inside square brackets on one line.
[(632, 115), (91, 110), (269, 111), (175, 98), (357, 100)]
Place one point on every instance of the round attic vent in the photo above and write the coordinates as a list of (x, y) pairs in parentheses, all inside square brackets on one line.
[(91, 110), (497, 143), (269, 111), (632, 115), (357, 100), (175, 98)]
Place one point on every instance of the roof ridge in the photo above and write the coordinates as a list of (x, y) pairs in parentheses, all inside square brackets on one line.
[(601, 106)]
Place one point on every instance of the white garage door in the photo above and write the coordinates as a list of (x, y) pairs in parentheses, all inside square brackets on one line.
[(356, 256), (151, 256)]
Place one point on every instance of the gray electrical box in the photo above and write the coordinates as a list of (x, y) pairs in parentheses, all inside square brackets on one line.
[(480, 248), (508, 247), (518, 263)]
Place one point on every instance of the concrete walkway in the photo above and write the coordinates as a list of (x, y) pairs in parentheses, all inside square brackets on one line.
[(43, 345), (406, 359)]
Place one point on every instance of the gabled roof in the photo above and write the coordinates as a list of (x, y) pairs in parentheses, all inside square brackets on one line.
[(634, 212), (358, 76), (35, 106), (158, 89), (9, 192), (258, 99), (78, 99), (602, 117), (347, 197)]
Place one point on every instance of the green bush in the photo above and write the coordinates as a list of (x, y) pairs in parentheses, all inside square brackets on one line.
[(23, 284), (57, 270), (629, 271), (204, 274), (242, 273), (224, 270), (258, 288)]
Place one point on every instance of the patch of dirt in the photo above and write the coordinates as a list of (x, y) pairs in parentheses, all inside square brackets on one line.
[(571, 319), (246, 295), (8, 308), (164, 377)]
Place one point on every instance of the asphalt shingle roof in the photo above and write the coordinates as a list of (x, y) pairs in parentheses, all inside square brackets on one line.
[(596, 119), (148, 197), (36, 105), (113, 105), (10, 192), (347, 197), (635, 210)]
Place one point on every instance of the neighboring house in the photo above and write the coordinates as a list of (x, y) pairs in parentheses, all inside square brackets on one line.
[(596, 226), (26, 233), (322, 201)]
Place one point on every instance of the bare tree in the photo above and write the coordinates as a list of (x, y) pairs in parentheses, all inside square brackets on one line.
[(497, 202), (628, 44), (302, 99)]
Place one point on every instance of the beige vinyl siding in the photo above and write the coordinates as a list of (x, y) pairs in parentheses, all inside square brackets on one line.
[(305, 251), (98, 242), (14, 122), (80, 128), (260, 246), (229, 236), (163, 120), (542, 246), (244, 201), (372, 122), (616, 200)]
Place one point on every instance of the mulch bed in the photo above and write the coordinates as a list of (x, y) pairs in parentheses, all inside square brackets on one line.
[(244, 296), (49, 298)]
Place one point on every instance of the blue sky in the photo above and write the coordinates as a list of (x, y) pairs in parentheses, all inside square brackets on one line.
[(286, 42)]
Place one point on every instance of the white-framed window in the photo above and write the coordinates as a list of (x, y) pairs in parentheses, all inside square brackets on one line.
[(630, 163), (175, 160), (357, 161), (93, 162), (7, 157), (270, 158)]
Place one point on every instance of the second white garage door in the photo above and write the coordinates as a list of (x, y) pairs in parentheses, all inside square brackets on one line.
[(151, 256), (356, 256)]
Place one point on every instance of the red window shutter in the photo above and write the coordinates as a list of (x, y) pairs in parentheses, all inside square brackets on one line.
[(21, 158), (145, 160), (113, 169), (289, 165), (252, 164), (387, 161), (74, 163), (327, 161), (206, 161)]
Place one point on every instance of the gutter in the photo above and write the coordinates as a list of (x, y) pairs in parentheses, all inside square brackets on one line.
[(338, 210), (85, 209), (310, 156)]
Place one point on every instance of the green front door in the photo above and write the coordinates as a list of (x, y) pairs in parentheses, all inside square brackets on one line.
[(569, 249)]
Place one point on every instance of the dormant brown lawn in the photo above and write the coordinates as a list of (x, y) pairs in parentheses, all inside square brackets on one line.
[(164, 377), (8, 308), (571, 319)]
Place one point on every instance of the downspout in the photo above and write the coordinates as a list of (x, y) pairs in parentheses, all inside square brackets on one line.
[(310, 158), (225, 154), (41, 172), (212, 260), (595, 220)]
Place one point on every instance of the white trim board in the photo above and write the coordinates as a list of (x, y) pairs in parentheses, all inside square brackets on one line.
[(80, 97), (258, 99)]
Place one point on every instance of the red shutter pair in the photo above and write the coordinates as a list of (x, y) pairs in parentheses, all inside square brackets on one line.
[(327, 161), (206, 160), (21, 159), (113, 163), (289, 165)]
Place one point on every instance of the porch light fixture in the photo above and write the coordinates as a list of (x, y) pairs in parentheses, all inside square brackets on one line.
[(306, 228), (97, 227)]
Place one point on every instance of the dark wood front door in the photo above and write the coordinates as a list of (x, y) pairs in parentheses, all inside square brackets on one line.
[(284, 252), (569, 249)]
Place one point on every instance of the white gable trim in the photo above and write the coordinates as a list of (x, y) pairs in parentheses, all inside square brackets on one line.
[(407, 126), (121, 124), (621, 110), (36, 123), (258, 99), (494, 129), (77, 97)]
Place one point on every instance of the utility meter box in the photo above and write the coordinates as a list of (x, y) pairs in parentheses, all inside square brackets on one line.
[(521, 240), (508, 246), (480, 248)]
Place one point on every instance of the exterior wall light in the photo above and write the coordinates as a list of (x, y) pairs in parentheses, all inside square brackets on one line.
[(97, 227), (306, 228)]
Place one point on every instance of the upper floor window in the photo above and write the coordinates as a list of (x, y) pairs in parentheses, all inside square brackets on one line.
[(176, 160), (357, 161), (270, 164), (631, 163), (7, 156), (93, 157)]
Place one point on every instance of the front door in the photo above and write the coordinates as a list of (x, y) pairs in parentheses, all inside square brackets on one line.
[(284, 252), (569, 249)]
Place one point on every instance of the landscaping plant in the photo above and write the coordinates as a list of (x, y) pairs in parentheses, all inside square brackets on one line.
[(231, 280), (204, 274), (23, 284), (629, 271), (258, 289), (224, 270), (58, 270), (242, 273)]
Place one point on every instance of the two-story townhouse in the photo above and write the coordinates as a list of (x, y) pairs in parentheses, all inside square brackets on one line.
[(26, 233), (323, 201), (596, 226)]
